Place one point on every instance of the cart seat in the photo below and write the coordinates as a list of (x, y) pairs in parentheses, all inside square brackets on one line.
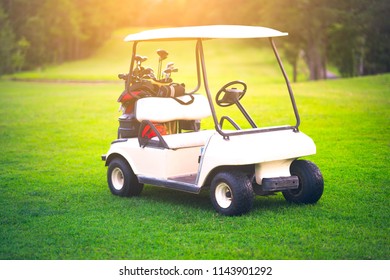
[(165, 109), (151, 110)]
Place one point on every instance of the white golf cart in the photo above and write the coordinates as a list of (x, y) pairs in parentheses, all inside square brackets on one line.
[(160, 141)]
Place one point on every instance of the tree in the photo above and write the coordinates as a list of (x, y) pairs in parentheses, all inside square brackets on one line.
[(377, 56), (7, 39), (360, 37), (18, 57), (351, 34), (307, 22)]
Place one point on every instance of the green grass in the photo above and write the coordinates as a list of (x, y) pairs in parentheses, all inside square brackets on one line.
[(55, 203)]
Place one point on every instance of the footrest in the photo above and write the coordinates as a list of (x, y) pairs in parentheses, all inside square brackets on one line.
[(280, 183)]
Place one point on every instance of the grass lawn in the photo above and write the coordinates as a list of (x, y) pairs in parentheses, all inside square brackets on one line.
[(55, 203)]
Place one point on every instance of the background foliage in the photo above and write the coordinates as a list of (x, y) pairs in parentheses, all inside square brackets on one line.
[(352, 35)]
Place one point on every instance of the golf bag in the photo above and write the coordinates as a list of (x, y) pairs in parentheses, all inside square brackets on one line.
[(128, 124)]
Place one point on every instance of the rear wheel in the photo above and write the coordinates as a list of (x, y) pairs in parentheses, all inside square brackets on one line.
[(121, 179), (231, 193), (311, 183)]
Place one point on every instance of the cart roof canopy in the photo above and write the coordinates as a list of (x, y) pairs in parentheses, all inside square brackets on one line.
[(205, 32)]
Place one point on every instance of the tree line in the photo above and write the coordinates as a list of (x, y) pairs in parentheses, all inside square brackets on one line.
[(351, 35)]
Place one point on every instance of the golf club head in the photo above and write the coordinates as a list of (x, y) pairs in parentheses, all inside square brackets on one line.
[(147, 73), (169, 65), (170, 70), (163, 54), (139, 59)]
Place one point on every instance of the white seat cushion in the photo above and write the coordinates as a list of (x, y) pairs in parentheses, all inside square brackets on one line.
[(165, 109)]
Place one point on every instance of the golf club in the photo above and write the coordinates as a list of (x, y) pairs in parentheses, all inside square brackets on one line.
[(162, 55)]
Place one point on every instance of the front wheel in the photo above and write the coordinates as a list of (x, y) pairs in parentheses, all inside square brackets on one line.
[(311, 183), (121, 179), (231, 193)]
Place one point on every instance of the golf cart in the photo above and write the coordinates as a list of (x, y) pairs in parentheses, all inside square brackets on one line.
[(160, 141)]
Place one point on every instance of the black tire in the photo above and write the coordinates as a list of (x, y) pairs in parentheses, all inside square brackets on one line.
[(121, 179), (231, 193), (311, 183)]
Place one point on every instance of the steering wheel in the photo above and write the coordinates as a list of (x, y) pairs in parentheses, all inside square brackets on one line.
[(228, 96)]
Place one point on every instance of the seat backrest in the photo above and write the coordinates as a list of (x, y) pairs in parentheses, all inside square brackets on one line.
[(165, 109)]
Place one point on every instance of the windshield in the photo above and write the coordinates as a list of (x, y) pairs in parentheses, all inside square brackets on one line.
[(253, 62)]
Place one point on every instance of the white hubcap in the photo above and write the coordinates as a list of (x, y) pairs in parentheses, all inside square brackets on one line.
[(223, 195), (117, 178)]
